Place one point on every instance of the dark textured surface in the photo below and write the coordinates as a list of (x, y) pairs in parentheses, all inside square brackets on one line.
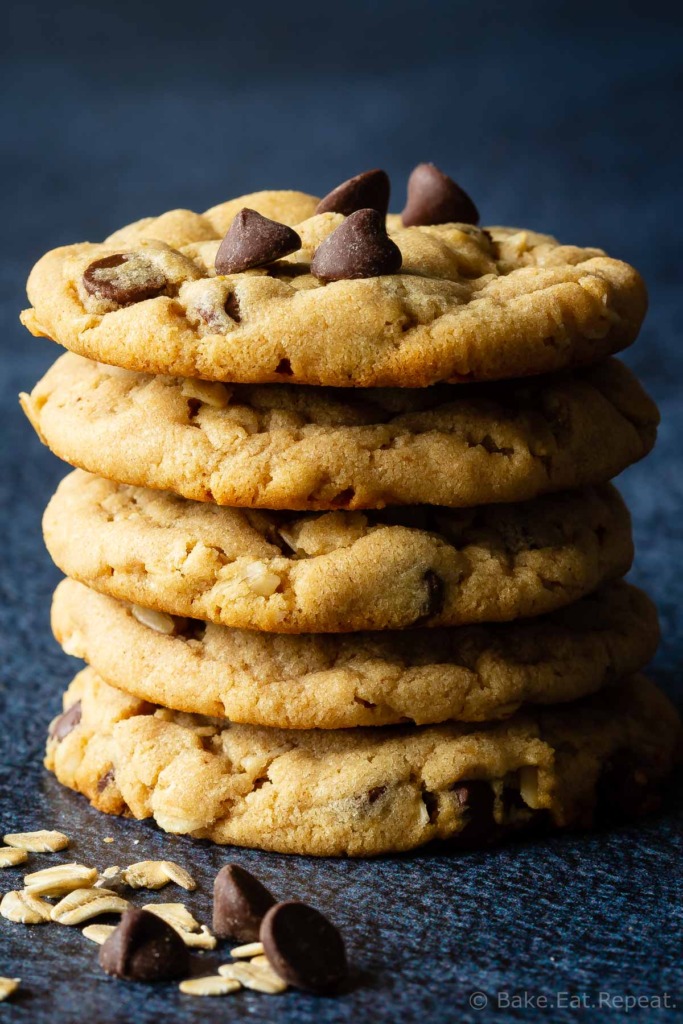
[(557, 116)]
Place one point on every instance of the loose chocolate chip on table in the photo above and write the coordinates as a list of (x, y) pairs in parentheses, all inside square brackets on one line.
[(367, 191), (124, 278), (63, 725), (360, 247), (303, 947), (254, 241), (144, 948), (240, 903), (434, 198)]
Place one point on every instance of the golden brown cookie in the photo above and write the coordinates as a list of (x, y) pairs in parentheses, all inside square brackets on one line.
[(337, 571), (360, 792), (294, 447), (467, 673), (466, 304)]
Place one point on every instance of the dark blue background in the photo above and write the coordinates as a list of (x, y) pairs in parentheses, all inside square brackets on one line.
[(562, 116)]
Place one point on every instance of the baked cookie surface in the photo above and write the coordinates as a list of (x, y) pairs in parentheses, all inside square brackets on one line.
[(468, 673), (336, 571), (361, 792), (467, 303), (290, 446)]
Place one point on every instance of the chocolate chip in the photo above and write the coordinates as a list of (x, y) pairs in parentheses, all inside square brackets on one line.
[(240, 902), (367, 191), (254, 241), (124, 278), (375, 793), (435, 594), (105, 780), (212, 315), (144, 948), (360, 247), (303, 947), (232, 308), (63, 725), (434, 198), (476, 799)]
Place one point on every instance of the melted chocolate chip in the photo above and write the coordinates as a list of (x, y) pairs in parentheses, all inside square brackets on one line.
[(435, 596), (360, 247), (63, 725), (232, 308), (303, 947), (212, 316), (375, 793), (367, 191), (434, 198), (435, 592), (254, 241), (144, 948), (240, 902), (124, 278)]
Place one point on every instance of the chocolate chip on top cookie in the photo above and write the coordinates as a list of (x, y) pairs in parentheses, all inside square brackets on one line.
[(434, 198), (337, 293), (254, 241), (360, 247), (367, 191)]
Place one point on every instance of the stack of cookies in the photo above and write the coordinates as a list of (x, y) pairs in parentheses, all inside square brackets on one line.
[(342, 554)]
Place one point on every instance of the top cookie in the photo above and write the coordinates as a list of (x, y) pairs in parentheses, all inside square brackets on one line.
[(466, 304)]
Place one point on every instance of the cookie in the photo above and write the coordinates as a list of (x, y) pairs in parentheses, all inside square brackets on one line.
[(294, 447), (468, 673), (336, 571), (367, 791), (465, 303)]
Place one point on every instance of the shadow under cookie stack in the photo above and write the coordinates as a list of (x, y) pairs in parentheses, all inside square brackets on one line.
[(342, 554)]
